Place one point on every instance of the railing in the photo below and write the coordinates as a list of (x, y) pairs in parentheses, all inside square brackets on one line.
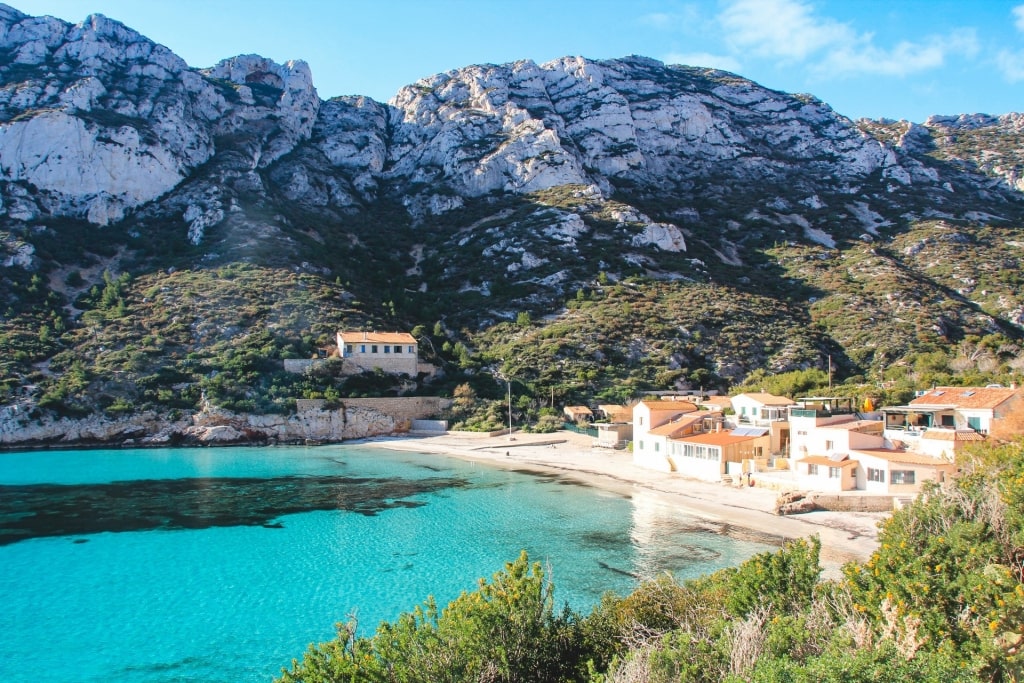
[(587, 431)]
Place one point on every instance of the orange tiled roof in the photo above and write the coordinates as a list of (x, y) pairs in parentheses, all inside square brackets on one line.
[(720, 401), (900, 457), (768, 399), (681, 406), (614, 410), (965, 397), (671, 428), (378, 337), (577, 410)]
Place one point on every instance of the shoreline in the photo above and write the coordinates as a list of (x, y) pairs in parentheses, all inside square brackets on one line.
[(845, 536)]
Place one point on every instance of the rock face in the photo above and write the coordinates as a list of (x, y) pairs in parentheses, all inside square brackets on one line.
[(97, 121), (496, 189), (207, 427)]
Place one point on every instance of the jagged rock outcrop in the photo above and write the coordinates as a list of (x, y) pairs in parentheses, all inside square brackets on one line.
[(470, 197), (98, 120)]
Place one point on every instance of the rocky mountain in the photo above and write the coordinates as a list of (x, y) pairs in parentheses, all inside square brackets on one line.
[(594, 224)]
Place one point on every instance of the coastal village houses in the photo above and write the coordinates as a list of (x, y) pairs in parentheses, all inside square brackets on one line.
[(674, 436), (827, 443)]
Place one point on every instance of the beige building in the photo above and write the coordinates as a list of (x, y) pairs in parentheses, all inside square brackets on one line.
[(393, 352)]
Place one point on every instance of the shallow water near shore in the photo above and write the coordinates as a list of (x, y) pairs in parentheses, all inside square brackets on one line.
[(223, 564)]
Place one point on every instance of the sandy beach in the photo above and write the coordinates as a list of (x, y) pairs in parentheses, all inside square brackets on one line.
[(844, 536)]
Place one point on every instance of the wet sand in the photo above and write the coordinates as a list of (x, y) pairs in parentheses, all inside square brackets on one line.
[(845, 536)]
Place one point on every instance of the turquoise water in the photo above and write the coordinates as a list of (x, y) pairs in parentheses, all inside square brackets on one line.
[(176, 565)]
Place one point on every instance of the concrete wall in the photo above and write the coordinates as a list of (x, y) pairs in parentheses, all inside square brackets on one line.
[(430, 426)]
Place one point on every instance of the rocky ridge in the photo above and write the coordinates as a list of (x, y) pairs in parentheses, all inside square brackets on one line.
[(478, 194)]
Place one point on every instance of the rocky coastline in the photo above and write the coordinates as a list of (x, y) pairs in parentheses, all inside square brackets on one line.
[(22, 428)]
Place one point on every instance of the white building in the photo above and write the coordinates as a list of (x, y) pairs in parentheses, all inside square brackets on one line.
[(760, 409), (395, 353)]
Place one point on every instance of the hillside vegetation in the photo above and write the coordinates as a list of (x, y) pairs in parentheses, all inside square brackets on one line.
[(586, 228)]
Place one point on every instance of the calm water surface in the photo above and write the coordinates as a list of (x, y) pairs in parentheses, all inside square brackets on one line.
[(223, 564)]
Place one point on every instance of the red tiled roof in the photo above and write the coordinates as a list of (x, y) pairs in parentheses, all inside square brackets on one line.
[(965, 397), (377, 337)]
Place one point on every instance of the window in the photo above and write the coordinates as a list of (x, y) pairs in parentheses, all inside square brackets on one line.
[(387, 348), (801, 432), (362, 348), (947, 421), (830, 445), (641, 445), (373, 348), (412, 350), (876, 475), (901, 477), (397, 348), (974, 423), (348, 348), (835, 473), (657, 447), (812, 469)]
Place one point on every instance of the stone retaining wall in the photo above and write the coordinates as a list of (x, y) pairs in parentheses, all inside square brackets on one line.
[(406, 408), (852, 503)]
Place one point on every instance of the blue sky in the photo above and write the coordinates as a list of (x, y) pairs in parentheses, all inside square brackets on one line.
[(900, 59)]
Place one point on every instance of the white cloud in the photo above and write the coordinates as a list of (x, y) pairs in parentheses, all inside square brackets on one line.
[(791, 31), (863, 57), (705, 59), (1018, 17), (1012, 65), (786, 29)]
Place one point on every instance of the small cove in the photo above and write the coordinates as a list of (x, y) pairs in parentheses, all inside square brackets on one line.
[(222, 564)]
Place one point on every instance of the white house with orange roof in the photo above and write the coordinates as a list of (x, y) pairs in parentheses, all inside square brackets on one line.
[(707, 455), (896, 471), (942, 420), (759, 409), (395, 353), (835, 450), (649, 415)]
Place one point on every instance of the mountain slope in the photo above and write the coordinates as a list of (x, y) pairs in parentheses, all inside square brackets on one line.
[(659, 225)]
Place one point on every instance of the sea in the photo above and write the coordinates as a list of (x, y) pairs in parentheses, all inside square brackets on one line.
[(224, 564)]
